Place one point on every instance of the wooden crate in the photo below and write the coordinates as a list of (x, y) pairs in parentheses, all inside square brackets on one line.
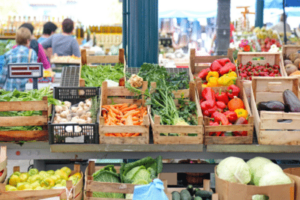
[(289, 49), (42, 194), (95, 186), (244, 127), (3, 163), (271, 58), (9, 136), (269, 130), (182, 139), (88, 59), (114, 94), (206, 187)]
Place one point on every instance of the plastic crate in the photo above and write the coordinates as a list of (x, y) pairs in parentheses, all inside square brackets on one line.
[(71, 133), (43, 80)]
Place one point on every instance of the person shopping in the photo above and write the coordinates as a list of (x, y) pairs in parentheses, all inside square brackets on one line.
[(20, 54), (49, 29), (38, 48), (63, 44)]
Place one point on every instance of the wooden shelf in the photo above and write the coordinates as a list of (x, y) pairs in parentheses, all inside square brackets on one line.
[(7, 37)]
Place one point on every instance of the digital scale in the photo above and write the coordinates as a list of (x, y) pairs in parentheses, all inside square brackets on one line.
[(26, 70)]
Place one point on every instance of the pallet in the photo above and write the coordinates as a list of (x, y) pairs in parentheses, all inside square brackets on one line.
[(16, 136), (271, 58), (88, 59), (42, 194), (3, 163), (114, 94), (181, 130), (95, 186), (244, 127), (206, 187), (269, 131)]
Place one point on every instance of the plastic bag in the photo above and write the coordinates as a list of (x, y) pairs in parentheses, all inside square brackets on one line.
[(154, 190)]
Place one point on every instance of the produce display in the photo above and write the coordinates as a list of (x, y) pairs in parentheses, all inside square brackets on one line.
[(65, 59), (6, 46), (41, 180), (140, 172), (292, 64), (224, 108), (94, 76), (257, 171), (267, 38), (247, 71), (123, 114), (220, 73), (191, 193), (32, 95)]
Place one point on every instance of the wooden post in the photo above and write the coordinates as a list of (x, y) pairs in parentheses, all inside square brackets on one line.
[(91, 170), (45, 112), (121, 56), (206, 185), (192, 60), (83, 57), (16, 169), (215, 197), (192, 91)]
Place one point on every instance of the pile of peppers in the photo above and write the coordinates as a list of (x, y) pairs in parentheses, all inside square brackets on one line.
[(215, 106)]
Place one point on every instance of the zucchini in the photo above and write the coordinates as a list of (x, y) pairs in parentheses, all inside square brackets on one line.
[(190, 188), (175, 195), (197, 198), (203, 194), (185, 195)]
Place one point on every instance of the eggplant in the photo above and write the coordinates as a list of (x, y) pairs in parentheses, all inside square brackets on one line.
[(291, 101), (271, 106)]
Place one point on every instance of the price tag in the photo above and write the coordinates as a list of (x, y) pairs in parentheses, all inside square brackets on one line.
[(25, 70)]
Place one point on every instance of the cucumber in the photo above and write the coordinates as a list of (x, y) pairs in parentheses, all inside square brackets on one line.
[(203, 193), (191, 190), (175, 195), (185, 195), (197, 198)]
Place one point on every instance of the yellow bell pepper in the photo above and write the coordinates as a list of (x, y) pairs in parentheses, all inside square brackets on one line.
[(226, 80), (212, 74), (48, 182), (204, 85), (241, 113), (14, 180), (212, 82), (231, 74)]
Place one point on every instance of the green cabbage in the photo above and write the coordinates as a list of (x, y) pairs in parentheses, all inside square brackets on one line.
[(274, 178), (234, 170), (267, 168), (256, 164), (107, 174)]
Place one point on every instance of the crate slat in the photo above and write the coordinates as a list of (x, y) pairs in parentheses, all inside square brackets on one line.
[(9, 136), (24, 106), (24, 121)]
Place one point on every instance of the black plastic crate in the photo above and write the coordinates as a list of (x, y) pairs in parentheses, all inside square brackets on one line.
[(70, 76), (73, 133)]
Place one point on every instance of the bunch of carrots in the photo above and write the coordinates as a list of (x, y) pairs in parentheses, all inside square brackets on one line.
[(123, 114)]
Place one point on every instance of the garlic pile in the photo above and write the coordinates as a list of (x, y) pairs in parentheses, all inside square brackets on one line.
[(136, 81), (80, 113)]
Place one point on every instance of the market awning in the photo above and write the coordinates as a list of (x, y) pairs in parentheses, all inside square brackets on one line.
[(278, 3)]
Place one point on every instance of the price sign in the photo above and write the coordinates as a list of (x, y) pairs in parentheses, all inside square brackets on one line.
[(25, 70)]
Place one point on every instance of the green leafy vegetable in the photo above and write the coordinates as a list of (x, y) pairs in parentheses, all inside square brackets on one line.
[(107, 174), (94, 76)]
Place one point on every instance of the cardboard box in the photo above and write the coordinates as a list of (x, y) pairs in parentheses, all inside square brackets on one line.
[(170, 177), (236, 191), (295, 174)]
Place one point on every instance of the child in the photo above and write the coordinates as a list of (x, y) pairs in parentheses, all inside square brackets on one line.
[(20, 54)]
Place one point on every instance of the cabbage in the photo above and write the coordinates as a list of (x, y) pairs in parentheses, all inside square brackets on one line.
[(234, 170), (256, 163), (274, 178), (267, 168), (260, 197), (139, 174)]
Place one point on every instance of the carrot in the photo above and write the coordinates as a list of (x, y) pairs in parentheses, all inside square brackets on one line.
[(114, 110), (132, 113), (132, 107), (129, 120)]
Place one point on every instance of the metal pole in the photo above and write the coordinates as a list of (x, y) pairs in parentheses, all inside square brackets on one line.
[(284, 22), (124, 26), (259, 13)]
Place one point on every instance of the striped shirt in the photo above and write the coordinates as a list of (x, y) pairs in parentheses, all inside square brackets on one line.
[(17, 55), (62, 45)]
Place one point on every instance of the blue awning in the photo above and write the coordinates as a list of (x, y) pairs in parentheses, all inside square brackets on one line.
[(278, 3), (292, 3)]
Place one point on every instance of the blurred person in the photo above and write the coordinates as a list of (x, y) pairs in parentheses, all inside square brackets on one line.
[(279, 27), (20, 54), (38, 48), (63, 44), (49, 29)]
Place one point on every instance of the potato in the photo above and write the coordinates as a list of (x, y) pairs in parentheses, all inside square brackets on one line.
[(294, 56), (290, 68), (297, 62), (286, 62)]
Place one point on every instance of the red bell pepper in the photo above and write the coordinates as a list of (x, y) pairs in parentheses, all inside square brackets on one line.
[(205, 113), (222, 96), (208, 94), (233, 91), (215, 66), (239, 121), (227, 68), (231, 116), (212, 110), (223, 61), (205, 105), (214, 133), (220, 117), (221, 105), (203, 73)]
